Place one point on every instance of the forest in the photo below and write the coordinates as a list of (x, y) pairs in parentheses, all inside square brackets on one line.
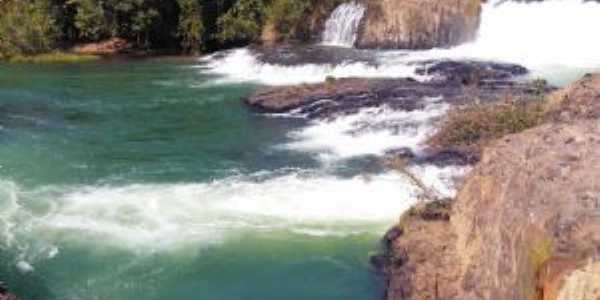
[(185, 26)]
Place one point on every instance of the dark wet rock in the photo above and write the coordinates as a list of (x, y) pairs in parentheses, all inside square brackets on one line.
[(449, 157), (401, 153), (441, 158), (5, 294), (453, 81), (470, 72), (290, 54)]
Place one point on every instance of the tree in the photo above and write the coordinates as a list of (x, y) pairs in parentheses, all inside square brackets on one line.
[(190, 29), (286, 16), (243, 22), (90, 20), (26, 27)]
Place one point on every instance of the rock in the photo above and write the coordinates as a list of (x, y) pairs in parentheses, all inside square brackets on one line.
[(418, 24), (525, 224), (447, 157), (456, 82), (5, 294), (110, 46), (467, 72), (581, 284), (295, 54), (420, 264), (580, 99)]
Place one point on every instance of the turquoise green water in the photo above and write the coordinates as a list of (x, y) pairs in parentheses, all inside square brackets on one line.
[(149, 180)]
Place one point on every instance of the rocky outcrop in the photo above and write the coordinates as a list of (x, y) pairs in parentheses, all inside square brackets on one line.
[(578, 100), (526, 222), (418, 24), (456, 82)]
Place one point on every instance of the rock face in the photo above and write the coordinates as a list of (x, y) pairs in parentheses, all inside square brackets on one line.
[(418, 24), (525, 224), (456, 82), (578, 100)]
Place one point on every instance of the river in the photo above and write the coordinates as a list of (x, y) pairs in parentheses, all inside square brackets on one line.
[(149, 179)]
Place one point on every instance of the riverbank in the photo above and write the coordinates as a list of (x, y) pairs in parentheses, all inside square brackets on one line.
[(524, 225), (53, 58)]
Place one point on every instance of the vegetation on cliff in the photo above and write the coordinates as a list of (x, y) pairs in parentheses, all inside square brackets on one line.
[(472, 127), (475, 125), (524, 224), (29, 27)]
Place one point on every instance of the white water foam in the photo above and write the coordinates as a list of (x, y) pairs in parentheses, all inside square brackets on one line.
[(153, 217), (548, 33), (342, 25), (371, 131), (241, 65), (556, 39), (162, 216)]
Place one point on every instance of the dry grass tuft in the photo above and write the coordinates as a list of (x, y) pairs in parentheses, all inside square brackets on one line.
[(472, 127)]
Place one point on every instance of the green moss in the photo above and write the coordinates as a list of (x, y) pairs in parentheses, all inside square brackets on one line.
[(53, 57)]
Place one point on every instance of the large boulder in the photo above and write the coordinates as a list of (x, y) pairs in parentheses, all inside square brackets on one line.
[(524, 225), (418, 24)]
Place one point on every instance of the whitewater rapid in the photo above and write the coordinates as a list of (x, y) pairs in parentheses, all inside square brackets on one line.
[(164, 217), (555, 39)]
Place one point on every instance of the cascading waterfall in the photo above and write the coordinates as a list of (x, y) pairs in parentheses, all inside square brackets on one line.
[(556, 32), (555, 39), (342, 25)]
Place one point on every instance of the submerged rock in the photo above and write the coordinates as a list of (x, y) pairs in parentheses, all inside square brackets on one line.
[(468, 72), (5, 294), (525, 224), (418, 24)]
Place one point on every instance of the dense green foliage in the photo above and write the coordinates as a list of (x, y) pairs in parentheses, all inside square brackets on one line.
[(190, 29), (243, 22), (37, 26), (26, 28)]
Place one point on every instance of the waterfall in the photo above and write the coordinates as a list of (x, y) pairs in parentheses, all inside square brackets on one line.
[(341, 27), (556, 32), (554, 39)]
